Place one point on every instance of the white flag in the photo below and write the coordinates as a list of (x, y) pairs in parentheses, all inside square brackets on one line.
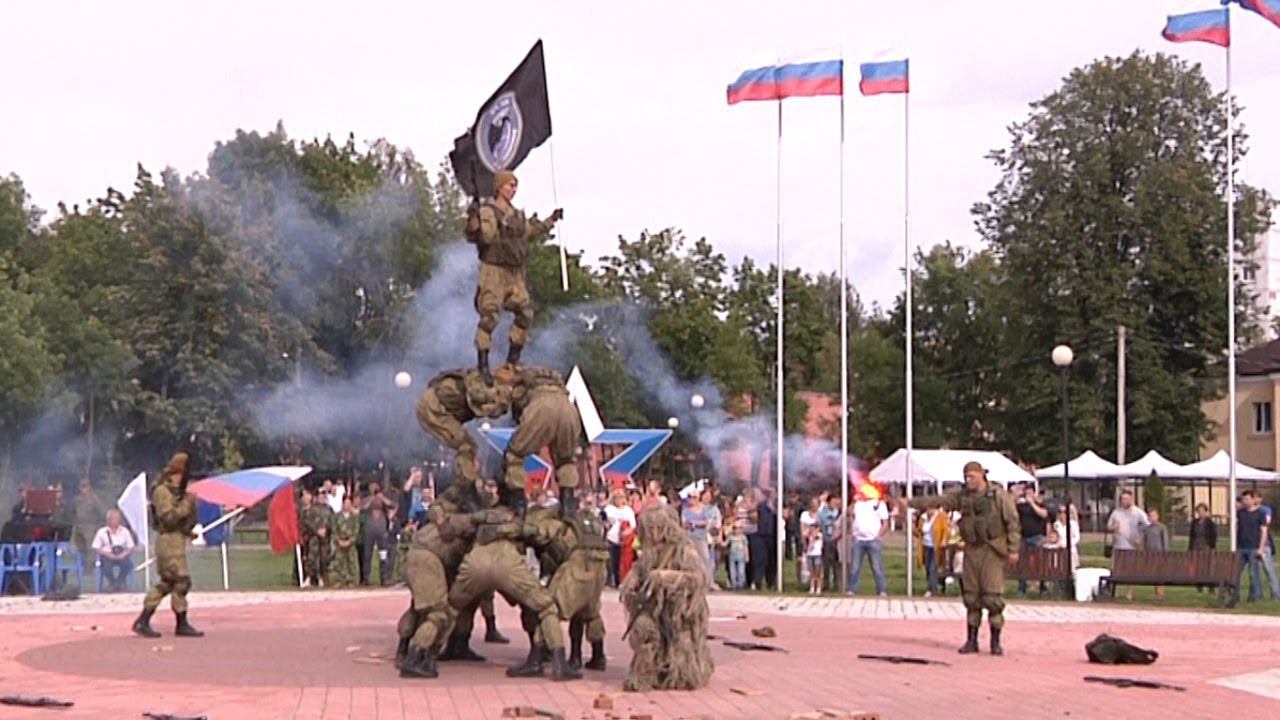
[(133, 505)]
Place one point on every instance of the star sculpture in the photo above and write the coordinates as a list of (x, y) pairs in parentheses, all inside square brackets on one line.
[(641, 445)]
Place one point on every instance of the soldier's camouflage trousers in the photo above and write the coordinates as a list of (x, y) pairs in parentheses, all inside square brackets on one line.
[(499, 567), (984, 586), (344, 568), (502, 288), (175, 577)]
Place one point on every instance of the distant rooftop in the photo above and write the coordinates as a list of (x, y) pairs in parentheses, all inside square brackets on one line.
[(1261, 360)]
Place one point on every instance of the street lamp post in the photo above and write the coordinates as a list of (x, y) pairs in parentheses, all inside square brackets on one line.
[(1062, 357)]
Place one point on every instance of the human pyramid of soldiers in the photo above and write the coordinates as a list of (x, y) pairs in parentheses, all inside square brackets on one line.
[(473, 544)]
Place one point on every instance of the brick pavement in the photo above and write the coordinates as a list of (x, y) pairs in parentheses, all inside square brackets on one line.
[(319, 656)]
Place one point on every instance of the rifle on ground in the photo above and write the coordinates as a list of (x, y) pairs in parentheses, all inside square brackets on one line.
[(1133, 682), (903, 660), (34, 701)]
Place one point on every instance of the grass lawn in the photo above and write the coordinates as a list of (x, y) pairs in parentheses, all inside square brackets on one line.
[(254, 567)]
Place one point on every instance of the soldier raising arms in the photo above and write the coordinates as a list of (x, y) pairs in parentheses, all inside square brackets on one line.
[(990, 530), (502, 235)]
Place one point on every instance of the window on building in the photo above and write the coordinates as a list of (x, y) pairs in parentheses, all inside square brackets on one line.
[(1262, 418)]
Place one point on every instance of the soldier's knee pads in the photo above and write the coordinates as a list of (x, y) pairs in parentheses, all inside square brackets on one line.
[(488, 318), (993, 603), (972, 602), (567, 476), (524, 317), (182, 585)]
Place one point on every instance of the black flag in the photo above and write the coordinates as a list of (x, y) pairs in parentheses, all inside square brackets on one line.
[(513, 121)]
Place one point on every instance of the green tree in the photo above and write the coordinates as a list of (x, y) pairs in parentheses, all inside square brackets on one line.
[(1110, 212)]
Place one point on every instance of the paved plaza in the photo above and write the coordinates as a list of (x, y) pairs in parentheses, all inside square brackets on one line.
[(323, 655)]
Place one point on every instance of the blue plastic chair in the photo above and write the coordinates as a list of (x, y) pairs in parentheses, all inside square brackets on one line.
[(22, 558), (68, 561)]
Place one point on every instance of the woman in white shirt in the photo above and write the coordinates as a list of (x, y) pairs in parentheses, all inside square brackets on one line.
[(615, 515)]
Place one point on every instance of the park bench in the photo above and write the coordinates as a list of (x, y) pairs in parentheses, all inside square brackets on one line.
[(1220, 569), (1048, 565)]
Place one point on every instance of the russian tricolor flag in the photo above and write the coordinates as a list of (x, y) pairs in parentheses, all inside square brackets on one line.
[(783, 81), (885, 77), (1211, 26), (1269, 9)]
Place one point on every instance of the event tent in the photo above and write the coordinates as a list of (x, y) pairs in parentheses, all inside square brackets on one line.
[(947, 466), (1218, 467), (1149, 464), (1088, 466)]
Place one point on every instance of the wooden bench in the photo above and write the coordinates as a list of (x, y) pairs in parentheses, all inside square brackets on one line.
[(1215, 568), (1034, 564)]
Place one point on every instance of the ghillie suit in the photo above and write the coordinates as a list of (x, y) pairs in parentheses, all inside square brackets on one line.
[(667, 615)]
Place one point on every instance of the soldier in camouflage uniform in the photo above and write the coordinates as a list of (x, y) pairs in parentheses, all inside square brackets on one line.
[(174, 510), (452, 399), (503, 235), (540, 405), (574, 554), (344, 568), (990, 530), (437, 549), (404, 540), (496, 564), (316, 519)]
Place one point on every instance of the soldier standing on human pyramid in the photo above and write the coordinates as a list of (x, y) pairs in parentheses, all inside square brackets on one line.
[(991, 532), (503, 236)]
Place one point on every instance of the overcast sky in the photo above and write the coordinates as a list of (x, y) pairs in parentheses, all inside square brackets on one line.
[(643, 135)]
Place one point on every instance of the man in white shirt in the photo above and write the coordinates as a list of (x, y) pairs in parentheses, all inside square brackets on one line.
[(870, 523), (114, 546)]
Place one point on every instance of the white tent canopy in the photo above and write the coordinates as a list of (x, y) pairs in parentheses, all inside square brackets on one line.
[(947, 466), (1218, 467), (1152, 462), (1088, 466)]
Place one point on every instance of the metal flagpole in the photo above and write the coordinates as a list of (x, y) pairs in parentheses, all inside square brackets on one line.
[(778, 450), (909, 312), (226, 579), (1231, 295), (844, 363), (297, 554), (555, 200)]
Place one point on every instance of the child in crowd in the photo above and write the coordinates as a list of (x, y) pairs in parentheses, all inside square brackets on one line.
[(739, 554)]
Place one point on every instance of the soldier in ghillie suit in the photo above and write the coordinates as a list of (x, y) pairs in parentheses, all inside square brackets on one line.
[(991, 533), (452, 399), (503, 236), (665, 597), (573, 553), (174, 508), (545, 418)]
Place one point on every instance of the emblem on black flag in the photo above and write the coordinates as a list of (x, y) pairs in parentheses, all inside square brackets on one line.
[(499, 130), (513, 121)]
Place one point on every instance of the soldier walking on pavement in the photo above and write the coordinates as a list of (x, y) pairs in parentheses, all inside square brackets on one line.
[(503, 235), (174, 509), (991, 532)]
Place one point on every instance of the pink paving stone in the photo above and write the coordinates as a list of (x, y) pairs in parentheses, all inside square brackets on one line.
[(295, 659)]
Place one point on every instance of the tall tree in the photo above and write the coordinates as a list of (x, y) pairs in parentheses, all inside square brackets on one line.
[(1111, 212)]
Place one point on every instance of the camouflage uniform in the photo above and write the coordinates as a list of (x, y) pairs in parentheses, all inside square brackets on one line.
[(503, 238), (496, 564), (453, 398), (344, 568), (990, 529), (574, 553), (437, 548), (174, 511), (317, 531), (540, 404)]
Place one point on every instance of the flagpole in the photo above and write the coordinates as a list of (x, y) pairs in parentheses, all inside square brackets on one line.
[(778, 449), (555, 200), (844, 358), (1231, 292), (226, 578), (909, 312), (297, 554)]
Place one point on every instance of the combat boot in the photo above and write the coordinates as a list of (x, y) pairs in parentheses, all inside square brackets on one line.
[(597, 661), (142, 625), (560, 670), (532, 665), (482, 364), (971, 644), (568, 503), (185, 629), (418, 663), (575, 655), (996, 647), (402, 650), (491, 633), (513, 355), (464, 652)]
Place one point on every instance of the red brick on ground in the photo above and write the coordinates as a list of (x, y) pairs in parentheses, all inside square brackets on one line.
[(288, 658)]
